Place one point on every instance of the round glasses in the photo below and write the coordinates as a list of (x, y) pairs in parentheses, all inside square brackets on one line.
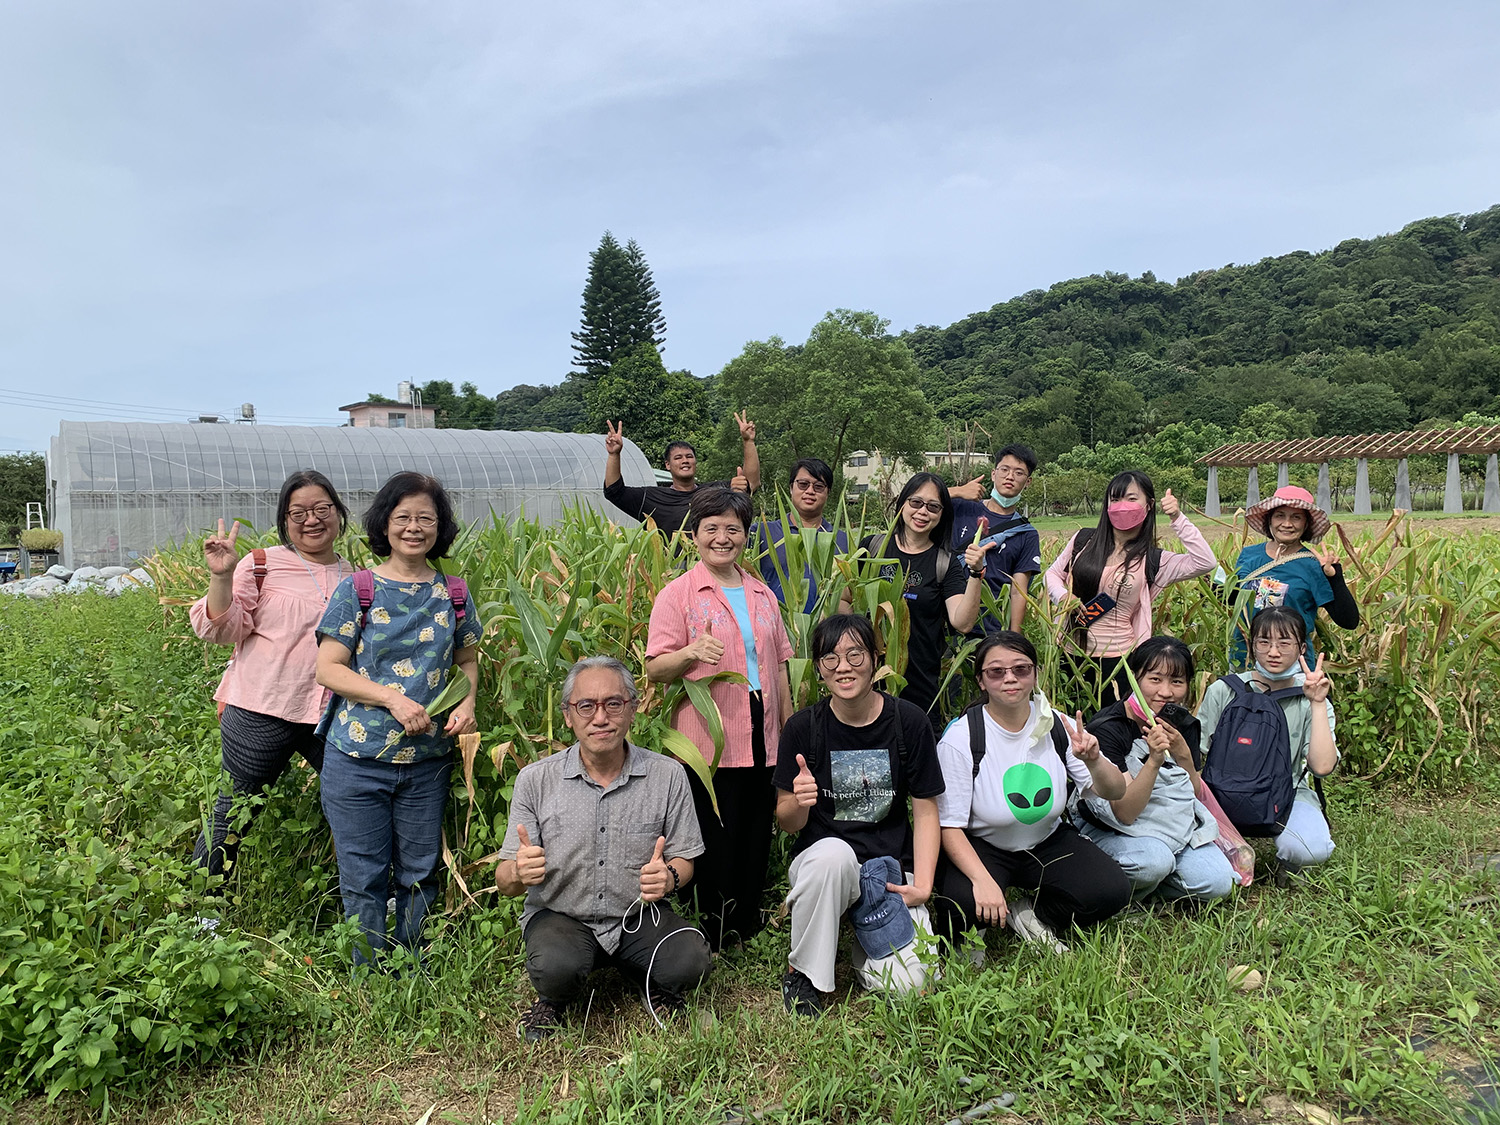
[(855, 658), (614, 707), (300, 516)]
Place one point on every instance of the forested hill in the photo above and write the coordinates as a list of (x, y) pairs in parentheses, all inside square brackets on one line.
[(1372, 335)]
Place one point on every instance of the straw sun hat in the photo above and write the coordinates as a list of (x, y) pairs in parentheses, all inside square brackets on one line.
[(1291, 496)]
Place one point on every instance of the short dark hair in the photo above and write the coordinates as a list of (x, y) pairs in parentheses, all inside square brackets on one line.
[(1167, 653), (831, 630), (1006, 639), (816, 468), (671, 445), (715, 500), (306, 478), (397, 489), (1278, 620), (1022, 453)]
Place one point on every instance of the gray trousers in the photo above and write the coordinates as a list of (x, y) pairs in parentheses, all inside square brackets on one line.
[(824, 885), (561, 952)]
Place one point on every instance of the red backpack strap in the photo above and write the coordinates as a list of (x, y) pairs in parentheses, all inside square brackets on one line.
[(458, 594), (364, 590), (258, 567)]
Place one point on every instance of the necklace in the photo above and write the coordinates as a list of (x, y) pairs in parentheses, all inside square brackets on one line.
[(338, 561)]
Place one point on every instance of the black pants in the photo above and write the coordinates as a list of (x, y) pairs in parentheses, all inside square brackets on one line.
[(256, 751), (729, 878), (1075, 883), (561, 952)]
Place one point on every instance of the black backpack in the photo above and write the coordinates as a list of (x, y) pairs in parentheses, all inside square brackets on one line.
[(975, 715), (1249, 765)]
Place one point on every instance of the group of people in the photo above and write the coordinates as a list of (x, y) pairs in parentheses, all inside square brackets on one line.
[(907, 826)]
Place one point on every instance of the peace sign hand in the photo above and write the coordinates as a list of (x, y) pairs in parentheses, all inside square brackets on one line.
[(1085, 745), (614, 436), (1325, 555), (219, 551), (1315, 683), (747, 427)]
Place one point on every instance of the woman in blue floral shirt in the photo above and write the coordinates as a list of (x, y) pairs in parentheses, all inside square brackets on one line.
[(387, 762)]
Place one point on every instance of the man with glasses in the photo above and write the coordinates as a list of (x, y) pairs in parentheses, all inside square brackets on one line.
[(844, 771), (598, 836), (667, 504), (1017, 555), (812, 483)]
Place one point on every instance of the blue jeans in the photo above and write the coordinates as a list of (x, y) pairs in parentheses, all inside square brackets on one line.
[(1305, 841), (387, 823), (1201, 873)]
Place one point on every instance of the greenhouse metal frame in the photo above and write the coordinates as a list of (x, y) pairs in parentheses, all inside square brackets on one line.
[(119, 490)]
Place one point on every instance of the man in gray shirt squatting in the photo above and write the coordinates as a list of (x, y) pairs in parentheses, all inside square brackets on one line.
[(598, 835)]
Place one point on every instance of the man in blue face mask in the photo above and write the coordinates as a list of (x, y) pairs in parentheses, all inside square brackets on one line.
[(1016, 557)]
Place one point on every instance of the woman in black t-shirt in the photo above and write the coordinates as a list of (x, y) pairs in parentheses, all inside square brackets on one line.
[(941, 590)]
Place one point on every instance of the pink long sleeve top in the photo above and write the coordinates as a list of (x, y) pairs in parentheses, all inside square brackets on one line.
[(1197, 561), (273, 634), (683, 609)]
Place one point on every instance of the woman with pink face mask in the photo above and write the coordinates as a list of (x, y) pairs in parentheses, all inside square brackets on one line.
[(1107, 577)]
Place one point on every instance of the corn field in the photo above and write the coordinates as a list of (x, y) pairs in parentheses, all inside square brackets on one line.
[(1412, 685)]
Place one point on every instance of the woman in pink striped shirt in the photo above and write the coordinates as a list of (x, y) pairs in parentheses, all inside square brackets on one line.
[(720, 617), (270, 701)]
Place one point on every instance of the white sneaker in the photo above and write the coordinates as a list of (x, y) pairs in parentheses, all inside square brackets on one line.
[(1021, 918)]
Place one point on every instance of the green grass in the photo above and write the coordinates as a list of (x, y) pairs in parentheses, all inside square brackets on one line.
[(113, 753)]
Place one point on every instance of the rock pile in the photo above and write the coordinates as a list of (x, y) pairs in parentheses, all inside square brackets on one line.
[(110, 580)]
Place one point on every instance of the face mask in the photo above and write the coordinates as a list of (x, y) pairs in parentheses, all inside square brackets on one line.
[(1270, 675), (1004, 501), (1127, 514)]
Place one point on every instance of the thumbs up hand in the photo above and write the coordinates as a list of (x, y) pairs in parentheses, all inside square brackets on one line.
[(1170, 507), (975, 552), (531, 859), (740, 482), (655, 878), (805, 786), (707, 648)]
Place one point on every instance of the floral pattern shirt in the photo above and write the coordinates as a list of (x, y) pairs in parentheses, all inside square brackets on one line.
[(408, 642)]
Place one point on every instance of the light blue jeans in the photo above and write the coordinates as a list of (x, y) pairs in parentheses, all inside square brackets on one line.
[(1305, 841), (1201, 874)]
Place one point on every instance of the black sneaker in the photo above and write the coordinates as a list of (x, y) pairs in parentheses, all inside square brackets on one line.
[(543, 1019), (799, 995)]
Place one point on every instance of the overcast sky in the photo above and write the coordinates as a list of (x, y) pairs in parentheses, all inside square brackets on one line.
[(296, 203)]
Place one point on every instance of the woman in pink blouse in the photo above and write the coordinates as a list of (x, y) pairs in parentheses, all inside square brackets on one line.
[(1107, 577), (267, 605), (720, 617)]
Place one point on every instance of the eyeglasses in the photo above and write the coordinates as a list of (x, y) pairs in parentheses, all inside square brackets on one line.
[(998, 673), (1275, 644), (802, 484), (1012, 474), (855, 658), (424, 522), (614, 707), (917, 504), (300, 516)]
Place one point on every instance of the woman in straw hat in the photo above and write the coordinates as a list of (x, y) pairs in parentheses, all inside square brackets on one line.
[(1289, 568)]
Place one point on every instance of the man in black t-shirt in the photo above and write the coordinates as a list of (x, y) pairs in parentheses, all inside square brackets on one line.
[(667, 504), (845, 769)]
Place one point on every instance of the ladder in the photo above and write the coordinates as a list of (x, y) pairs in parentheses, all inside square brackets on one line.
[(34, 515)]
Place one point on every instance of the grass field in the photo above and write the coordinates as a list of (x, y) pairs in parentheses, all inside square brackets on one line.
[(1380, 973)]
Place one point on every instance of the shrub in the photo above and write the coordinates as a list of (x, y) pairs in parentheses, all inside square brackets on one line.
[(41, 539)]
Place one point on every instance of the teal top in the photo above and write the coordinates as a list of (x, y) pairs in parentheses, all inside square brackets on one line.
[(736, 597)]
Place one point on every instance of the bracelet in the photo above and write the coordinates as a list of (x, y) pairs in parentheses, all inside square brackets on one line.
[(676, 879)]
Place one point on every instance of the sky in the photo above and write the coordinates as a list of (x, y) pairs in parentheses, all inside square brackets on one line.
[(294, 203)]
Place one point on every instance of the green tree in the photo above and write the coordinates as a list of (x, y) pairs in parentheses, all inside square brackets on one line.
[(1269, 422), (850, 386), (464, 409), (621, 308), (23, 480), (656, 406), (1363, 408), (559, 408)]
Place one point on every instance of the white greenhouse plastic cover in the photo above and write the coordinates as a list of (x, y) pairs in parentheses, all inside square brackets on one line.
[(118, 490)]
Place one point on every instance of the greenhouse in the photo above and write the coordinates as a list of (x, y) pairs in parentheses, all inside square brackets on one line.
[(118, 490)]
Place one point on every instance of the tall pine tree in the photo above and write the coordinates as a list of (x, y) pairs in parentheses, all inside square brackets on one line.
[(621, 308)]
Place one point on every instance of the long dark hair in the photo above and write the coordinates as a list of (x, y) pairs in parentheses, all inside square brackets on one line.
[(942, 533), (1087, 565)]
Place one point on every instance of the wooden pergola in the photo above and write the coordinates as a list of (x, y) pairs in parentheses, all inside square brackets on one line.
[(1362, 448)]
